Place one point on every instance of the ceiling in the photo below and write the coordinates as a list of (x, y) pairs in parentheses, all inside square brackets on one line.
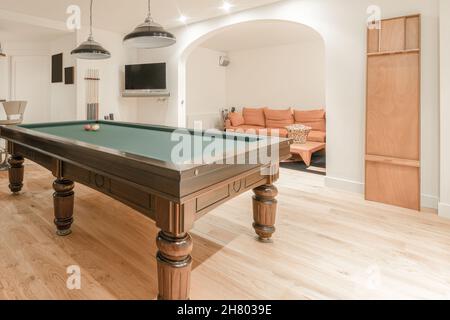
[(13, 31), (259, 34), (123, 15)]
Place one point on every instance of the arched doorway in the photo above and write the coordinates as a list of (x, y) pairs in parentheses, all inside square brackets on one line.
[(274, 63), (202, 36)]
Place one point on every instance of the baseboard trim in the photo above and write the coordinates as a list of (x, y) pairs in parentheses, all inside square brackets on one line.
[(427, 201), (444, 210), (343, 184)]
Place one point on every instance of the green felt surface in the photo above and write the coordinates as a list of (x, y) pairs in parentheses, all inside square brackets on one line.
[(150, 142)]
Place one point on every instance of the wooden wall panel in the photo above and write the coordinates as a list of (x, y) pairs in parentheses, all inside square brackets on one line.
[(412, 33), (393, 113), (393, 108), (392, 184), (373, 41), (393, 35)]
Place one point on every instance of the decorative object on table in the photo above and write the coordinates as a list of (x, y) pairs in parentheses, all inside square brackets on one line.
[(14, 115), (92, 87), (57, 68), (69, 75), (111, 116), (90, 49), (2, 53), (224, 114), (149, 35), (299, 133)]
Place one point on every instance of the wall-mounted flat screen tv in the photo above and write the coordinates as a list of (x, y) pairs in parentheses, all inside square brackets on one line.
[(151, 76)]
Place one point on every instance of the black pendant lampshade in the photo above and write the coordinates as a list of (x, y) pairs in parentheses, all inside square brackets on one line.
[(149, 35), (90, 49)]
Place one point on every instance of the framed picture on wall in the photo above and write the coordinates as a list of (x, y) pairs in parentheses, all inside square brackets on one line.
[(69, 75), (57, 68)]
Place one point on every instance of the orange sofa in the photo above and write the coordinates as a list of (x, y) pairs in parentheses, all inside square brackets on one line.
[(265, 120)]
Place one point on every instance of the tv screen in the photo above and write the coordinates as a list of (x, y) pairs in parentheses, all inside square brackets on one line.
[(145, 76)]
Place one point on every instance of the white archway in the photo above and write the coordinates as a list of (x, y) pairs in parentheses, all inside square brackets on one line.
[(202, 37)]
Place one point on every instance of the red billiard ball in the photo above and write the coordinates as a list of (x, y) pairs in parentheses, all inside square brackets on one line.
[(88, 127)]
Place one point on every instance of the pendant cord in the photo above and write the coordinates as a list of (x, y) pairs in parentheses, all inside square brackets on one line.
[(90, 34), (149, 15)]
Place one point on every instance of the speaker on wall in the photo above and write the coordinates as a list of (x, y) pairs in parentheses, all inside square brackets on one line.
[(224, 61)]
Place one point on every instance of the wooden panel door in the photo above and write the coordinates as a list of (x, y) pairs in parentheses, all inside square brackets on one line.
[(393, 113), (393, 108)]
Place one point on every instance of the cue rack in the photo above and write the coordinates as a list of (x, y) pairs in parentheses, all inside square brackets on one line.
[(92, 92)]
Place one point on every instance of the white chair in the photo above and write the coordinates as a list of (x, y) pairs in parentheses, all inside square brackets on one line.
[(14, 115)]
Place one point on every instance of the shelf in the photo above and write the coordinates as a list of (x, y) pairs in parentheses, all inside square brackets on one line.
[(145, 94), (393, 161), (384, 53)]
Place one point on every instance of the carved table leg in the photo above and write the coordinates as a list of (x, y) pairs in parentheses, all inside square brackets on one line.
[(63, 200), (174, 266), (264, 211), (16, 172)]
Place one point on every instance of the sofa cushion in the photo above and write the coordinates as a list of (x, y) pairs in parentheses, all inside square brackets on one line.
[(254, 117), (236, 119), (278, 118), (316, 119), (317, 136), (283, 133)]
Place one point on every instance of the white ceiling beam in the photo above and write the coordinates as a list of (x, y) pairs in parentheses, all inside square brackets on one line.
[(33, 20)]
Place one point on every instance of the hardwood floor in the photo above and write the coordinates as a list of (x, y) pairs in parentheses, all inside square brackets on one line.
[(328, 245)]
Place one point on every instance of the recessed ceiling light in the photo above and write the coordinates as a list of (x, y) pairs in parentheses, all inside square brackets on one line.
[(226, 6), (182, 18)]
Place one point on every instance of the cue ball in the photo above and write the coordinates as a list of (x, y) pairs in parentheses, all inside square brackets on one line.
[(95, 127)]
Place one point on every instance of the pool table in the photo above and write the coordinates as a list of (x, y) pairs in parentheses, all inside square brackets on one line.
[(134, 164)]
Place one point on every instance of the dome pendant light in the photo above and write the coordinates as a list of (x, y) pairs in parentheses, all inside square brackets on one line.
[(90, 49), (149, 35), (2, 54)]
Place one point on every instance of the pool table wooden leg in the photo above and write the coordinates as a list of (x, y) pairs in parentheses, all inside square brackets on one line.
[(174, 266), (264, 211), (16, 172), (175, 246), (63, 201)]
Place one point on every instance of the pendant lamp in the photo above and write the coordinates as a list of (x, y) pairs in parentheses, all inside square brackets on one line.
[(149, 35), (90, 49)]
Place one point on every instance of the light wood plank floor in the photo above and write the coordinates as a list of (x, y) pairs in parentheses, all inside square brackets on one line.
[(328, 245)]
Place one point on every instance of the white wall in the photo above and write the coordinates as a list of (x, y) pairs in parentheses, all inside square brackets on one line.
[(342, 24), (112, 77), (444, 205), (63, 100), (21, 55), (206, 87), (278, 77)]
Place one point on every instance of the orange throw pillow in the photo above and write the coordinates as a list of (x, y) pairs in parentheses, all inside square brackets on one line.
[(254, 117), (311, 118), (236, 119), (278, 118)]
